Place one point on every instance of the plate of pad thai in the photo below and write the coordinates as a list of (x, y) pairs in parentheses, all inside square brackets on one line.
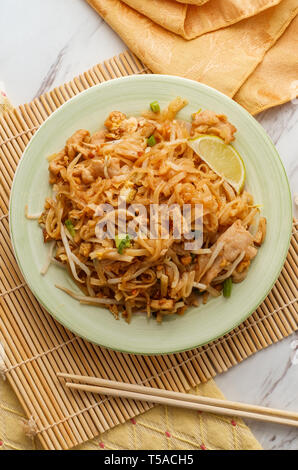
[(150, 214)]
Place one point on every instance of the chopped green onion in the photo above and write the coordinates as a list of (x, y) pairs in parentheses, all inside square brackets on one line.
[(70, 228), (122, 242), (199, 110), (227, 287), (151, 141), (155, 106)]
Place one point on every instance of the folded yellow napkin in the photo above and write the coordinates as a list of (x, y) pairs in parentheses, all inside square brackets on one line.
[(193, 21), (275, 81), (4, 102), (161, 428), (193, 2), (223, 59)]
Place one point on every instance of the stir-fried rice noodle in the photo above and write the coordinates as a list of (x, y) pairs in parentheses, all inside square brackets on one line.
[(48, 262), (156, 276)]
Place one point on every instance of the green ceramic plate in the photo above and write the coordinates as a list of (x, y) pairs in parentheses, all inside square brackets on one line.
[(266, 180)]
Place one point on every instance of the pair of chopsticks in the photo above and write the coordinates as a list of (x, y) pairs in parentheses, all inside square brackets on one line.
[(177, 399)]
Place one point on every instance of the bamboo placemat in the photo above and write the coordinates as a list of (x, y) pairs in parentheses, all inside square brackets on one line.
[(36, 346)]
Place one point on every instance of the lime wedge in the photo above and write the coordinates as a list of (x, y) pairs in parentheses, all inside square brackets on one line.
[(223, 159)]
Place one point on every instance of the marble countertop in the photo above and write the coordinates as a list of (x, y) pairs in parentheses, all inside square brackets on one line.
[(47, 42)]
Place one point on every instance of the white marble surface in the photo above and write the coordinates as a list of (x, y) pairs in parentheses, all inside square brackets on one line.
[(44, 43)]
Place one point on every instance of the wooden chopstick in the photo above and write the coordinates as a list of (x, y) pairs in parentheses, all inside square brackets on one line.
[(182, 400), (180, 403)]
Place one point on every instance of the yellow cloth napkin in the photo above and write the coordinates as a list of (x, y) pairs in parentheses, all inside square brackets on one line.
[(157, 429), (192, 21), (193, 2), (4, 102), (223, 59), (275, 81)]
